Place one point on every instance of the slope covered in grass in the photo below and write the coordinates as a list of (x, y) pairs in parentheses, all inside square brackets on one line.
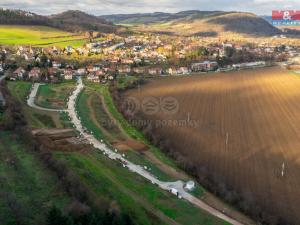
[(38, 35), (27, 189)]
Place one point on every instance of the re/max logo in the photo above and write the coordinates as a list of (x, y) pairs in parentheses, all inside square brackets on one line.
[(286, 15)]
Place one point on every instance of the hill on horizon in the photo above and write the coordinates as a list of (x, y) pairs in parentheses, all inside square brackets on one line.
[(72, 21), (147, 18), (187, 23), (201, 23)]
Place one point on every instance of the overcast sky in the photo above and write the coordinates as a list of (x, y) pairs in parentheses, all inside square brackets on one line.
[(102, 7)]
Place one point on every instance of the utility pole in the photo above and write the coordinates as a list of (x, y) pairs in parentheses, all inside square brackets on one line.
[(283, 169), (227, 136)]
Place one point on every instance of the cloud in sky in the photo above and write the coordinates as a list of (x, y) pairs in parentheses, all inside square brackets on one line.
[(101, 7)]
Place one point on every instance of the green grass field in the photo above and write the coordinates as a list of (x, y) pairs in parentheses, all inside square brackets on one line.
[(55, 96), (38, 36), (36, 118), (133, 192), (125, 81), (27, 189)]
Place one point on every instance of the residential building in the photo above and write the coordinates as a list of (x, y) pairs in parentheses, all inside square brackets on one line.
[(68, 74), (56, 64), (34, 73), (184, 70), (172, 71), (155, 71), (204, 66), (124, 69), (81, 72), (97, 67), (93, 78), (19, 73), (139, 70)]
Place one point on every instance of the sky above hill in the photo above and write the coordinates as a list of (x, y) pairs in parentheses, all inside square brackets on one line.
[(103, 7)]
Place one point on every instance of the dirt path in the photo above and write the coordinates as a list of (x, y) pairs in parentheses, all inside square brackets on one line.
[(122, 132), (51, 131), (165, 168), (93, 116), (218, 204)]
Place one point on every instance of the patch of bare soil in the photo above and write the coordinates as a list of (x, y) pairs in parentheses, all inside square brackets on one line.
[(64, 140), (56, 102), (130, 144), (51, 131)]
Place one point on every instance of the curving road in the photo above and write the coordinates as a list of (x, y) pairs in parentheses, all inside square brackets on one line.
[(31, 100), (1, 95), (2, 78), (178, 185)]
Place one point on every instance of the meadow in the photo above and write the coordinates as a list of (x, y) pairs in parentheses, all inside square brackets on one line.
[(28, 190), (55, 96), (39, 36)]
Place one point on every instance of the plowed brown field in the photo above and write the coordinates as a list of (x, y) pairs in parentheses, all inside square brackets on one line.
[(248, 125)]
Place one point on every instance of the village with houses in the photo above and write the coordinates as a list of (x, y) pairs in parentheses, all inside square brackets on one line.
[(139, 55)]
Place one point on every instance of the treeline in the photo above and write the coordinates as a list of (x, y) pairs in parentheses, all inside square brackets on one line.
[(72, 21), (81, 215), (19, 17), (233, 56), (209, 179), (86, 208)]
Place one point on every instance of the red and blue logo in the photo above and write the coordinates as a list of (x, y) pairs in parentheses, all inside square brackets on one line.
[(286, 17)]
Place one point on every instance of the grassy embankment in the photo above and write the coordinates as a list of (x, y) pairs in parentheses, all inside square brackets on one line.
[(132, 155), (38, 36), (96, 120), (157, 199), (28, 190), (133, 192)]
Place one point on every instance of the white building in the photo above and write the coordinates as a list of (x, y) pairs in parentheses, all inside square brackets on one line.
[(174, 191), (56, 65), (190, 185)]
